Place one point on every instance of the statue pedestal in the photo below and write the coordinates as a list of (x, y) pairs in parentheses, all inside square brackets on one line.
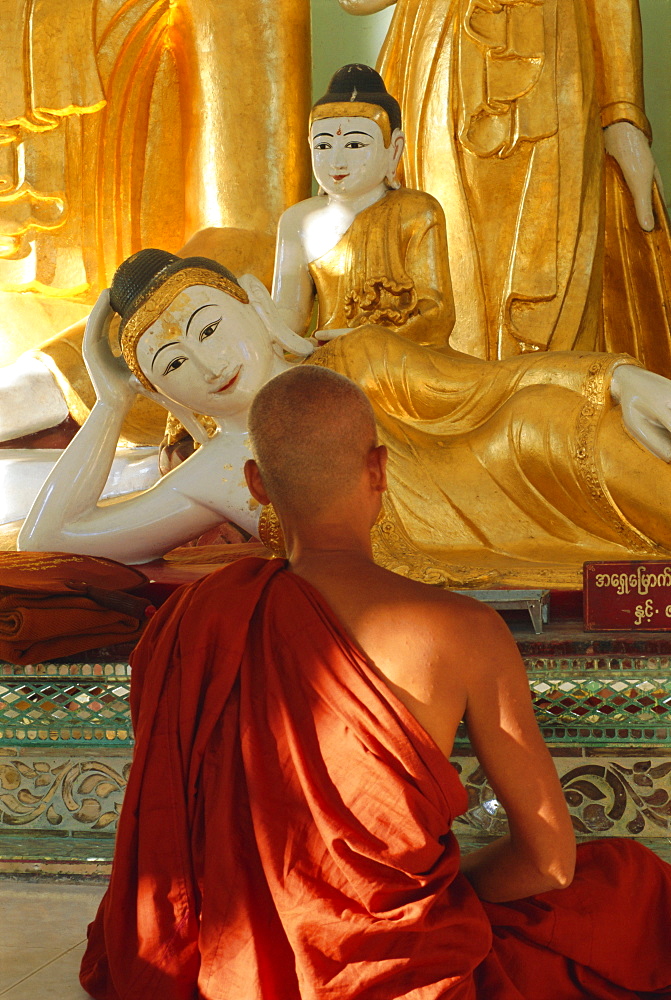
[(603, 702), (536, 602), (23, 471), (65, 751)]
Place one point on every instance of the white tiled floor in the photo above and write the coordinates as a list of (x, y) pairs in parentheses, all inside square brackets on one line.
[(42, 934)]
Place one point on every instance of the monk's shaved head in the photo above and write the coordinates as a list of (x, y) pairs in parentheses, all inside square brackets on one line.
[(311, 432)]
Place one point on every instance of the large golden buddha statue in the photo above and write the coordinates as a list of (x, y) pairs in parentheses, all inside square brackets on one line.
[(149, 122), (140, 123), (508, 107)]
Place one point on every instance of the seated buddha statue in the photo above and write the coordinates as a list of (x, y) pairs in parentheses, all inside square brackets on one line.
[(506, 472)]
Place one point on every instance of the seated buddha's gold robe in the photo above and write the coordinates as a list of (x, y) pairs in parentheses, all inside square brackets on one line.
[(504, 106), (500, 472)]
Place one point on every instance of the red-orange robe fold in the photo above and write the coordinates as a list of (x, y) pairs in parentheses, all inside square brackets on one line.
[(286, 834)]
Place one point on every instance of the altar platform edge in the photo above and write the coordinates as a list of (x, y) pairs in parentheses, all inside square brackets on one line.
[(602, 700)]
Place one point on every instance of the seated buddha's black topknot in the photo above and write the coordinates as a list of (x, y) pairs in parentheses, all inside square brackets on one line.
[(138, 276), (357, 82)]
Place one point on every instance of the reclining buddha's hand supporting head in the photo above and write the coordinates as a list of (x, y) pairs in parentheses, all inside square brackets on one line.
[(196, 336), (355, 134)]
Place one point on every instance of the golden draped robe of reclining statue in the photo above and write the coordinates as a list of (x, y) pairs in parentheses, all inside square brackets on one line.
[(504, 106), (500, 472)]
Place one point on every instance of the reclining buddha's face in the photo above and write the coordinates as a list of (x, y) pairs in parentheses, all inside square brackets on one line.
[(349, 157), (207, 351)]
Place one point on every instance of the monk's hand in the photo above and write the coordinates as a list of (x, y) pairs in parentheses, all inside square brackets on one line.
[(112, 380), (629, 146), (645, 399)]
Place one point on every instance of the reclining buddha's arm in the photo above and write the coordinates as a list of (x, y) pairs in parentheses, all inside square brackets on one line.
[(66, 515)]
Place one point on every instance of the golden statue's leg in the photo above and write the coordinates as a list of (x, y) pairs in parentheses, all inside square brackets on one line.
[(501, 110)]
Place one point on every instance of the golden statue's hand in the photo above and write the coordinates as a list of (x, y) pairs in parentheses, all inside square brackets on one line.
[(321, 336), (645, 399), (629, 146), (365, 6)]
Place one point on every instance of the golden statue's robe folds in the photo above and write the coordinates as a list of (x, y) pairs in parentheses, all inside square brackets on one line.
[(504, 106), (126, 125), (134, 124), (503, 472)]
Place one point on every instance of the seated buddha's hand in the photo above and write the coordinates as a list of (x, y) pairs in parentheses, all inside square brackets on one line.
[(645, 399), (630, 147), (113, 382), (322, 336)]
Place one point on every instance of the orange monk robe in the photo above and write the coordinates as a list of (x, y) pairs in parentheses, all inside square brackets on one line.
[(286, 833)]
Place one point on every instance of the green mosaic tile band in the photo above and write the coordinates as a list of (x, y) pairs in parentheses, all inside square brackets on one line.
[(74, 703), (602, 700), (583, 701)]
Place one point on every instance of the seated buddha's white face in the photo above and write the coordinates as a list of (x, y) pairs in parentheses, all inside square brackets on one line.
[(207, 351), (349, 157)]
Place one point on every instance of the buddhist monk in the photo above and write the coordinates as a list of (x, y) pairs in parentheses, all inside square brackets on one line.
[(286, 831)]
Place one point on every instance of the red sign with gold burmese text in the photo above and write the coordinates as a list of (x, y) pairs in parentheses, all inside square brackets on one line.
[(627, 596)]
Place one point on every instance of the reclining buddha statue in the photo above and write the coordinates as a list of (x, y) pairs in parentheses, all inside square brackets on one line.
[(500, 472)]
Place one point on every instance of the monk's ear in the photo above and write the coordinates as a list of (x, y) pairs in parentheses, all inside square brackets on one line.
[(255, 483), (377, 467)]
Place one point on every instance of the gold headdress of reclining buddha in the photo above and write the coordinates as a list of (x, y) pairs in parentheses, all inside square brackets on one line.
[(358, 91), (145, 285)]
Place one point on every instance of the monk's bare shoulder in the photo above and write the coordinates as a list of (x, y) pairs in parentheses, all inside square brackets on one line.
[(400, 621), (442, 609)]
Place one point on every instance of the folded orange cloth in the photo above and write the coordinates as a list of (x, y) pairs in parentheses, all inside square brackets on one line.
[(55, 604)]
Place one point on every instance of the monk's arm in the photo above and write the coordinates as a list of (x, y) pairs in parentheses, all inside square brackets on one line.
[(538, 854)]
